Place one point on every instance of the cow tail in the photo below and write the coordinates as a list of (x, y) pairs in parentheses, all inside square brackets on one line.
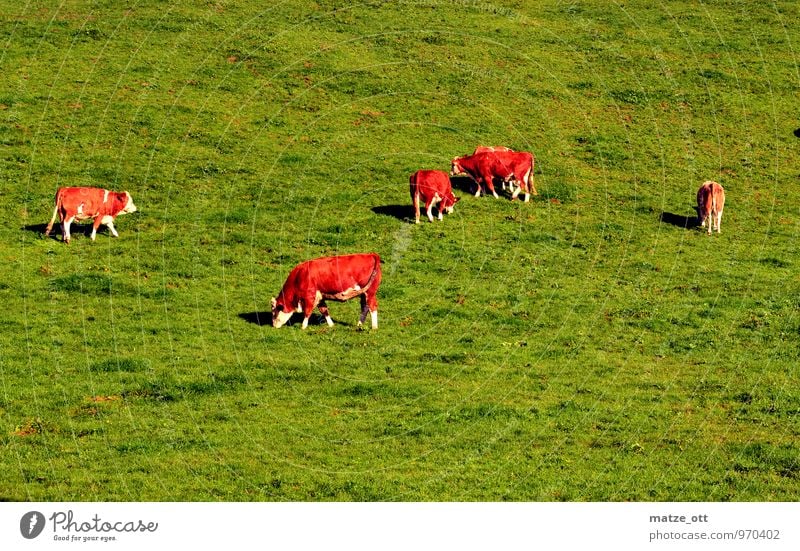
[(55, 213)]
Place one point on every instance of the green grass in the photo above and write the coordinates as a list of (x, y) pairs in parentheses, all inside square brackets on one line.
[(592, 345)]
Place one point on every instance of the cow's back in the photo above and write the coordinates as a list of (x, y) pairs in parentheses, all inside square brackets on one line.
[(514, 159), (718, 193), (80, 201), (710, 195), (429, 182), (491, 149), (334, 274)]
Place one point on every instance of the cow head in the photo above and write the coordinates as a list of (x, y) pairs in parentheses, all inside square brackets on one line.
[(281, 313), (129, 206), (121, 203), (455, 167), (449, 202)]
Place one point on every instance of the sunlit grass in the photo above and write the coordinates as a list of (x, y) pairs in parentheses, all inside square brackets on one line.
[(590, 345)]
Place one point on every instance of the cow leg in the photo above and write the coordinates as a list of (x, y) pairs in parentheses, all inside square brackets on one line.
[(109, 222), (369, 304), (477, 186), (490, 185), (429, 206), (65, 229), (323, 309), (308, 304), (515, 193), (429, 210), (525, 185), (372, 302), (512, 185), (719, 222), (415, 202), (95, 225), (373, 316), (364, 310)]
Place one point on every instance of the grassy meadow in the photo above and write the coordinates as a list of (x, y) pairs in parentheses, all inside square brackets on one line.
[(591, 345)]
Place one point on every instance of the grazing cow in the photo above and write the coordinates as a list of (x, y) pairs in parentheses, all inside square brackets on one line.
[(710, 202), (83, 203), (338, 278), (433, 187), (498, 148), (507, 165)]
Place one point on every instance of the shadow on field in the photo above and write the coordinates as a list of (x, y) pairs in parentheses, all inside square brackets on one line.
[(265, 319), (75, 229), (463, 183), (797, 133), (259, 318), (40, 228), (678, 220), (401, 212)]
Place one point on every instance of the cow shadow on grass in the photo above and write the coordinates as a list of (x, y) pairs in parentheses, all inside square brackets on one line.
[(40, 229), (463, 183), (678, 220), (259, 318), (401, 212), (265, 319), (76, 229), (37, 228)]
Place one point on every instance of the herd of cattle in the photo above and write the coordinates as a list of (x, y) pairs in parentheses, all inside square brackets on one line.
[(341, 278)]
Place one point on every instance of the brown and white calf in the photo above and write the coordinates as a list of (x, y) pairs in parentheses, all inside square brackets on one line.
[(508, 166), (710, 202), (84, 203), (433, 188), (338, 278)]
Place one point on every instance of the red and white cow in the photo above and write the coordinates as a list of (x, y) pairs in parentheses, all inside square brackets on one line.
[(507, 165), (83, 203), (710, 202), (338, 278), (433, 188)]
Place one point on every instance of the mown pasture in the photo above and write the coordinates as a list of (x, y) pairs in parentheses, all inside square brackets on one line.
[(590, 345)]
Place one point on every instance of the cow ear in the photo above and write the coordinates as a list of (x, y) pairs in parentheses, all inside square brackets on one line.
[(273, 302)]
